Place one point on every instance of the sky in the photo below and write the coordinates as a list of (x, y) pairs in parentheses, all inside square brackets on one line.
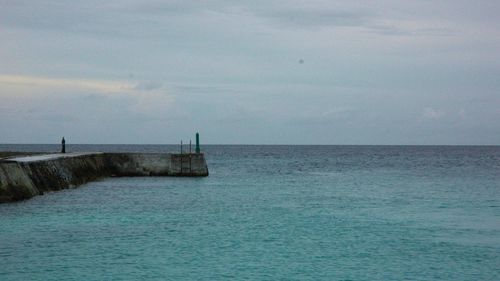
[(250, 72)]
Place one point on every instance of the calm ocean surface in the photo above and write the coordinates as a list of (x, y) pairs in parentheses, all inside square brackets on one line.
[(269, 213)]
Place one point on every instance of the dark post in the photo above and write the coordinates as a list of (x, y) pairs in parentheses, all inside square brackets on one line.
[(197, 148), (190, 155), (181, 146), (63, 146)]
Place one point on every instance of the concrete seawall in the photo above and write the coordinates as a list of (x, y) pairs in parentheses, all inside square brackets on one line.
[(24, 177)]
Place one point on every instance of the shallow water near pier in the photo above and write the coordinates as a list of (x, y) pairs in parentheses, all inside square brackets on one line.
[(268, 213)]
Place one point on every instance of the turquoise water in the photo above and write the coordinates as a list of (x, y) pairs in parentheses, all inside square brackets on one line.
[(270, 213)]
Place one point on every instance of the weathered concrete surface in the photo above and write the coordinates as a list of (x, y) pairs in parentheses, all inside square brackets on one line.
[(5, 154), (15, 184), (158, 164), (25, 177), (190, 165), (139, 164)]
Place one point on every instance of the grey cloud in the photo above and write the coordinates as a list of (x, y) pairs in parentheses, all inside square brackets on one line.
[(148, 85), (172, 8), (150, 17), (326, 16), (306, 18), (52, 15), (57, 117), (399, 31)]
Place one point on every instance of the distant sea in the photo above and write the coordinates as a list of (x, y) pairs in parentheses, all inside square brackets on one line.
[(269, 213)]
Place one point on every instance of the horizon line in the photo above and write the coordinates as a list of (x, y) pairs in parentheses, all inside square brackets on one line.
[(251, 144)]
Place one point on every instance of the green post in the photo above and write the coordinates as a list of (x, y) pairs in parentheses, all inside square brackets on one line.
[(197, 149)]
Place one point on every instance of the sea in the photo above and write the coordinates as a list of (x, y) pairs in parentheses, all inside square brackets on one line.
[(268, 213)]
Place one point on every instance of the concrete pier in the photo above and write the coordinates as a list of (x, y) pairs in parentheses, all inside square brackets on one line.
[(24, 177)]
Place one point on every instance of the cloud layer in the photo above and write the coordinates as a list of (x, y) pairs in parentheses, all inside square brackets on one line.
[(330, 72)]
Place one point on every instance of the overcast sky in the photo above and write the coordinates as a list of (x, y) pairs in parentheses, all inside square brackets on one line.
[(250, 72)]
